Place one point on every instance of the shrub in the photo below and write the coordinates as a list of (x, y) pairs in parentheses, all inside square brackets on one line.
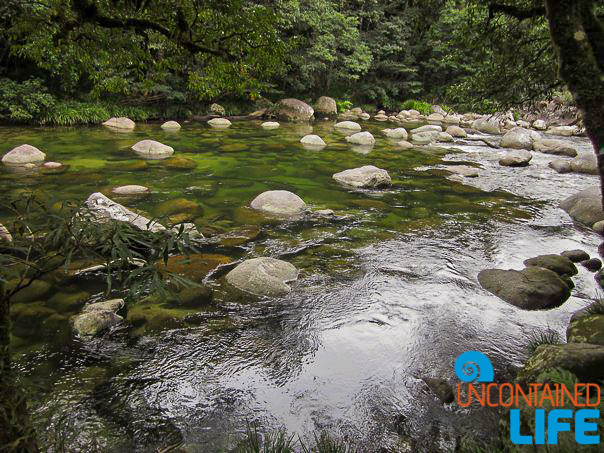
[(422, 107), (24, 102), (343, 105)]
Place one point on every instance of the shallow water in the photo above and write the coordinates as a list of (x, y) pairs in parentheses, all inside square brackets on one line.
[(387, 293)]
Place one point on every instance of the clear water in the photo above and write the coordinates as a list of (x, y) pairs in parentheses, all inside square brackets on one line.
[(387, 294)]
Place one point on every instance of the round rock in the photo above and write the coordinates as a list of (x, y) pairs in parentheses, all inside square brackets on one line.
[(518, 158), (312, 140), (120, 123), (130, 190), (561, 265), (364, 177), (399, 132), (351, 125), (150, 149), (326, 106), (281, 202), (24, 154), (270, 125), (219, 122), (263, 276), (361, 138), (576, 256), (170, 125)]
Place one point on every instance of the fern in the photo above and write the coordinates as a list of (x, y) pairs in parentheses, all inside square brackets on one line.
[(558, 376), (548, 336)]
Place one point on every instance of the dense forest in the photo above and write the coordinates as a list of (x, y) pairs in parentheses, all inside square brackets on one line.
[(68, 61)]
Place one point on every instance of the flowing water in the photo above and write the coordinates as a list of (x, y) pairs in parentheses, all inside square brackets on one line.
[(387, 294)]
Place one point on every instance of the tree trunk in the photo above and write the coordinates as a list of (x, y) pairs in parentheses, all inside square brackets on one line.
[(576, 33), (16, 431)]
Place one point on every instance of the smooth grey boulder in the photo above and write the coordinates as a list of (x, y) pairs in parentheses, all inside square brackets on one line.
[(270, 125), (405, 144), (103, 209), (427, 128), (131, 189), (518, 158), (487, 125), (533, 288), (585, 207), (367, 176), (565, 131), (170, 125), (444, 137), (326, 106), (561, 265), (399, 132), (576, 255), (294, 110), (312, 140), (587, 164), (219, 122), (435, 117), (560, 166), (361, 138), (112, 305), (22, 155), (280, 202), (263, 276), (52, 165), (456, 131), (151, 149), (555, 147), (519, 138), (120, 123), (351, 125)]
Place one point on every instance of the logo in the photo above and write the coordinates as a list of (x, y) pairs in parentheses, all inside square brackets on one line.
[(475, 370)]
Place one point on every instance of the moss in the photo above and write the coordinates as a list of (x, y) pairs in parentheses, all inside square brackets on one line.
[(68, 302), (27, 319), (196, 267), (35, 291), (179, 163), (586, 329), (176, 206)]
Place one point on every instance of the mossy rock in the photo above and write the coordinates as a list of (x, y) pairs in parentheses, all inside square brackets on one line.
[(35, 291), (234, 147), (27, 319), (68, 301), (150, 316), (586, 329), (193, 297), (561, 265), (371, 204), (195, 267), (176, 219), (139, 165), (179, 163), (240, 236), (177, 206)]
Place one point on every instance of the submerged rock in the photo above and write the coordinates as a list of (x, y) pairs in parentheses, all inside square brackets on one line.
[(179, 163), (367, 176), (170, 125), (150, 149), (351, 125), (585, 206), (280, 202), (361, 138), (105, 209), (533, 288), (263, 276), (294, 110), (22, 155), (130, 190), (195, 266), (176, 206), (120, 123), (219, 122), (518, 158), (312, 140), (561, 265), (326, 106)]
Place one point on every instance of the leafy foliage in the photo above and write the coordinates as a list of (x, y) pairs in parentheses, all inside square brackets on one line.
[(344, 105), (24, 102), (558, 376), (422, 107)]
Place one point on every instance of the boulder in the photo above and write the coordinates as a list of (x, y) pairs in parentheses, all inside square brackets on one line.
[(456, 131), (217, 109), (586, 163), (561, 265), (438, 109), (23, 154), (598, 227), (270, 125), (120, 123), (427, 128), (103, 209), (444, 137), (113, 305), (565, 131), (533, 288), (586, 329), (424, 138), (435, 117), (584, 360), (361, 138), (576, 256), (150, 149), (176, 206), (399, 132), (170, 125), (5, 235), (585, 207), (405, 144), (326, 106), (351, 125), (195, 267), (130, 190), (312, 140), (519, 138), (523, 124), (560, 166), (263, 276), (281, 202), (452, 119), (367, 176), (487, 125), (97, 317), (519, 158), (540, 125), (365, 116), (294, 110), (556, 147), (593, 264), (219, 122)]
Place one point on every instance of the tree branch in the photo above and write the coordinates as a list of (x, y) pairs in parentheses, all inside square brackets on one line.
[(514, 11)]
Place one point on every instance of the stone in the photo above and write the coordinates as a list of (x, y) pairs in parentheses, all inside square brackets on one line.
[(444, 137), (555, 147), (130, 190), (103, 209), (36, 290), (361, 138), (120, 123), (436, 117), (112, 305), (150, 149), (586, 163), (52, 165), (5, 235), (441, 388), (351, 125), (486, 125), (359, 111), (427, 128), (593, 264), (533, 288), (519, 158), (270, 125), (367, 176), (584, 360), (280, 202), (463, 170), (326, 106), (22, 155), (565, 131), (456, 131), (575, 256), (94, 322), (179, 163), (217, 109), (263, 276), (399, 132), (219, 122), (405, 144), (540, 125), (560, 166), (195, 267), (561, 265), (586, 329), (170, 125), (585, 206), (176, 206), (365, 116), (294, 110), (598, 227), (312, 140), (424, 138), (523, 124), (519, 138)]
